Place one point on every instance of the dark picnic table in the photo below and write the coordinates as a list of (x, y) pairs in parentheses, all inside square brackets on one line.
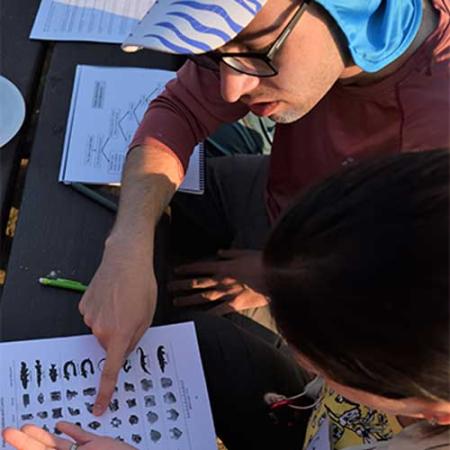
[(58, 229)]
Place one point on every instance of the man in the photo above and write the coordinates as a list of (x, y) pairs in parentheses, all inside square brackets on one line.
[(343, 79)]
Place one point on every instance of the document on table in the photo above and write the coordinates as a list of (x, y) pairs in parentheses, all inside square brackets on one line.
[(88, 20), (160, 401), (108, 104)]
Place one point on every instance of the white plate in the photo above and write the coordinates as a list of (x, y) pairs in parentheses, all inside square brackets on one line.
[(12, 110)]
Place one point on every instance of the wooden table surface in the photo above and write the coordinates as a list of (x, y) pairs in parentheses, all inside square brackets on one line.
[(58, 229)]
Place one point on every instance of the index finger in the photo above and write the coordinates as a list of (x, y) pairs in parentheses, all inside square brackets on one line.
[(115, 356)]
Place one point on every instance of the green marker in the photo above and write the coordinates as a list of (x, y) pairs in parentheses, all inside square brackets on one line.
[(63, 284)]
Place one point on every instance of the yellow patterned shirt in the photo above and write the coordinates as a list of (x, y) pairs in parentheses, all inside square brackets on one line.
[(351, 423)]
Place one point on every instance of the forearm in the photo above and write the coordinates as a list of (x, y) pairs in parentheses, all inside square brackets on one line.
[(151, 176)]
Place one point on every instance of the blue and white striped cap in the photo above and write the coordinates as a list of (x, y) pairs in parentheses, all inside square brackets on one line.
[(192, 26)]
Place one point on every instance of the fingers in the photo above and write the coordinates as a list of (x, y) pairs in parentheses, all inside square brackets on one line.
[(246, 300), (191, 283), (44, 437), (32, 437), (21, 441), (115, 356), (198, 283), (208, 296), (75, 432)]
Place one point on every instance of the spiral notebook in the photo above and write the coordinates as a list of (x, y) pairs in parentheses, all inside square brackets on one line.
[(108, 104)]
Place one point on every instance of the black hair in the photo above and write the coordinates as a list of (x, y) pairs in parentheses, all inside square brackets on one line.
[(358, 274)]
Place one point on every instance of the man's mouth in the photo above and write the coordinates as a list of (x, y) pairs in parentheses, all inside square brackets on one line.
[(263, 108)]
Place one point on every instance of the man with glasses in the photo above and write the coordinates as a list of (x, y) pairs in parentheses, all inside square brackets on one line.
[(343, 79)]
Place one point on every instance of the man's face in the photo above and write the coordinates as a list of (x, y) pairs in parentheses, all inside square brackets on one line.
[(309, 63)]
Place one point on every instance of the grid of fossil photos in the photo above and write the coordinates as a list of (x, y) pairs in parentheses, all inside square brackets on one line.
[(160, 400)]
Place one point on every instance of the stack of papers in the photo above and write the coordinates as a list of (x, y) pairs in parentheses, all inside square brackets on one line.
[(107, 106), (88, 20), (160, 401)]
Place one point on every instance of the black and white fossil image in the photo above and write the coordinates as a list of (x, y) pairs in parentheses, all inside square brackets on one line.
[(114, 405), (86, 368), (172, 414), (24, 374), (71, 394), (69, 370), (89, 406), (131, 403), (89, 392), (155, 435), (26, 400), (175, 433), (136, 438), (73, 411), (53, 373), (116, 422), (133, 419), (57, 413), (55, 396), (166, 382), (149, 401), (143, 360), (152, 417), (169, 397), (94, 425), (146, 384), (127, 366), (38, 367)]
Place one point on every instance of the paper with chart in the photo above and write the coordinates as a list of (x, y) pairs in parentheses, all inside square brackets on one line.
[(108, 104), (160, 401), (88, 20)]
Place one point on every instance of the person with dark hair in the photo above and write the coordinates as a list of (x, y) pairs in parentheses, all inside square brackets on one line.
[(357, 272)]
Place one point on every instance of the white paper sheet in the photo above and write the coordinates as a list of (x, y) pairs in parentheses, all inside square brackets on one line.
[(108, 104), (161, 401), (88, 20)]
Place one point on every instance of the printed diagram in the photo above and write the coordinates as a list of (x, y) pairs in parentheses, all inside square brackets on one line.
[(154, 405), (145, 407), (107, 150), (108, 105)]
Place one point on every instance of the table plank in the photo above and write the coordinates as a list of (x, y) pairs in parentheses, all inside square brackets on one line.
[(59, 229), (20, 61)]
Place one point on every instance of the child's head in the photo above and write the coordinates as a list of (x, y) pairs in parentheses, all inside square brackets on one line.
[(358, 274)]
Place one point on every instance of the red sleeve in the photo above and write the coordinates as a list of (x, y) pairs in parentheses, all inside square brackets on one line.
[(190, 109)]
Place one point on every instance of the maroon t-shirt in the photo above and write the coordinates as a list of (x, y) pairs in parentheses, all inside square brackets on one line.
[(407, 111)]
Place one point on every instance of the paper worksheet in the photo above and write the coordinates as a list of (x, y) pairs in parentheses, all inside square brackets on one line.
[(108, 104), (160, 402), (88, 20)]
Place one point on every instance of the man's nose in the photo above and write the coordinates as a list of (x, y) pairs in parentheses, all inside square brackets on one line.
[(234, 84)]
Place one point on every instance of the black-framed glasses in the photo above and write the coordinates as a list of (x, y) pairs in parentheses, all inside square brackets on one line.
[(251, 63)]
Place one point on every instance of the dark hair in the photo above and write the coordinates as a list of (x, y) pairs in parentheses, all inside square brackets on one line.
[(358, 274)]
